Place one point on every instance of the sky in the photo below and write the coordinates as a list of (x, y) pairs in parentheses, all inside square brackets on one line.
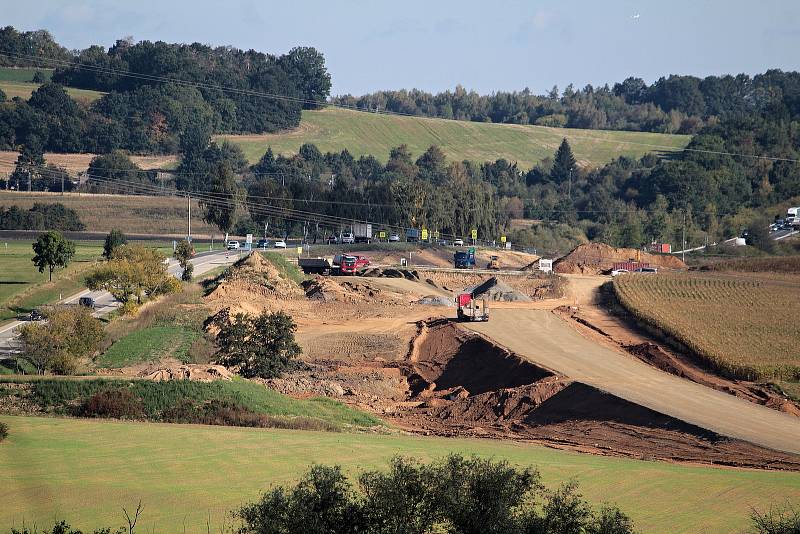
[(437, 44)]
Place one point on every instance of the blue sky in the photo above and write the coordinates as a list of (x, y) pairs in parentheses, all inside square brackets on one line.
[(435, 45)]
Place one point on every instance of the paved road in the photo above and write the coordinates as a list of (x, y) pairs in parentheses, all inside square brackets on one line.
[(105, 303), (544, 338)]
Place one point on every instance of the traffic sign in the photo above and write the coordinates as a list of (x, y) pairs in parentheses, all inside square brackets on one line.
[(249, 239), (382, 234), (436, 234), (474, 233), (299, 250), (424, 234), (502, 239)]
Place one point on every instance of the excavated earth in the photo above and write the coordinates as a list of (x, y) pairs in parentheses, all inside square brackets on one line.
[(460, 383), (597, 258)]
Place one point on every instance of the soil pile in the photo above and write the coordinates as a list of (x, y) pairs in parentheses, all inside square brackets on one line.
[(462, 384), (497, 290), (327, 289), (253, 276), (536, 286), (596, 258), (193, 372)]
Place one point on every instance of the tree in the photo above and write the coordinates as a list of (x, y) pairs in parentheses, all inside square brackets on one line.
[(52, 251), (114, 240), (134, 271), (225, 192), (183, 253), (758, 235), (257, 346), (306, 68), (69, 334), (563, 164)]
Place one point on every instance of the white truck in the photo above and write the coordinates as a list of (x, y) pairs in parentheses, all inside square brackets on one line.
[(793, 217), (362, 232)]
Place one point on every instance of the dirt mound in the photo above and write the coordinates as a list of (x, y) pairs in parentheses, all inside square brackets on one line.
[(327, 289), (460, 383), (253, 276), (194, 372), (595, 258), (536, 286), (497, 290)]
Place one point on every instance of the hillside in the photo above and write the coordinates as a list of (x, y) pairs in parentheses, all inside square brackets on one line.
[(334, 129)]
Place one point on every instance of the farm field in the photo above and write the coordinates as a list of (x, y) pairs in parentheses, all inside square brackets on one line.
[(334, 129), (85, 470), (23, 74), (76, 163), (24, 90), (738, 322), (132, 214)]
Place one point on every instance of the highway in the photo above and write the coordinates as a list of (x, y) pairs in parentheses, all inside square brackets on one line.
[(543, 338), (105, 303)]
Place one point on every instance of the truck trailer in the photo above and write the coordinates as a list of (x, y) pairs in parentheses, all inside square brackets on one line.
[(362, 232)]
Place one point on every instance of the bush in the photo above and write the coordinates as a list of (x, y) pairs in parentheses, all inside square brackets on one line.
[(261, 346), (784, 520), (456, 494), (187, 272), (116, 403), (3, 431)]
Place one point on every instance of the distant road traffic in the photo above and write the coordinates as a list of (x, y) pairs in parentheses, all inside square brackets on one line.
[(105, 303)]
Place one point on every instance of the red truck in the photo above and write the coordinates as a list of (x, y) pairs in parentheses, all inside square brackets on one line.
[(344, 264)]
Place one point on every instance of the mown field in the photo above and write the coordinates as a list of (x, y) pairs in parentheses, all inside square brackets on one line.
[(22, 74), (742, 324), (76, 163), (186, 475), (361, 133), (24, 90), (132, 214)]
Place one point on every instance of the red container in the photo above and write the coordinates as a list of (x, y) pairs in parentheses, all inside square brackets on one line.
[(630, 265), (464, 299)]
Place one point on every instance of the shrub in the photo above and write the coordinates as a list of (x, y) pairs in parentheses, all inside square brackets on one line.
[(261, 346), (456, 494), (187, 272), (3, 431), (116, 403), (785, 520)]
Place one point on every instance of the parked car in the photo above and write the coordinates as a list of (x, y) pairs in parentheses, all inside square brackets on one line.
[(649, 270), (394, 238), (86, 301), (279, 244), (443, 242), (617, 272), (35, 315), (262, 244), (458, 243), (331, 240), (361, 262), (348, 238), (233, 245)]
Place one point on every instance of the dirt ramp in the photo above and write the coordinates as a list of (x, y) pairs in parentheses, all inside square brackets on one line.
[(446, 357), (596, 258)]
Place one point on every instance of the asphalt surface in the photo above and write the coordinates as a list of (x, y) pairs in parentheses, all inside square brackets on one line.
[(545, 339), (105, 303)]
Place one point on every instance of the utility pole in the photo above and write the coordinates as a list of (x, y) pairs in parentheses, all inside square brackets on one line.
[(62, 184), (189, 218), (570, 185), (683, 248)]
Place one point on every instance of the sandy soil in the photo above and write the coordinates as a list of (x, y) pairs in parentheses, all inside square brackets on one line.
[(596, 258)]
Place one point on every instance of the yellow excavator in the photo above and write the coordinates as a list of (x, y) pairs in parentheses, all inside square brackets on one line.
[(494, 263)]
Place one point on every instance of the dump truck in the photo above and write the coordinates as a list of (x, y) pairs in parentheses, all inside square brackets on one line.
[(344, 264), (315, 266), (472, 309), (464, 259), (362, 232)]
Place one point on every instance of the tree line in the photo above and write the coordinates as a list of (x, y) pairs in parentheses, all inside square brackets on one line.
[(672, 104), (143, 112)]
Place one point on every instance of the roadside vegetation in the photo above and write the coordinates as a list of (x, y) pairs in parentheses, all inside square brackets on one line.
[(738, 323)]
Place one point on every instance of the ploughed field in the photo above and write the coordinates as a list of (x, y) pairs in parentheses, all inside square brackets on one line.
[(744, 325)]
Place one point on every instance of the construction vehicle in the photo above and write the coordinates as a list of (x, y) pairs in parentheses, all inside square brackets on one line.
[(472, 309), (315, 266), (494, 263), (464, 259), (344, 264)]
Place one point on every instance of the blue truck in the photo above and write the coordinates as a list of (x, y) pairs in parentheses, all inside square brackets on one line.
[(464, 259)]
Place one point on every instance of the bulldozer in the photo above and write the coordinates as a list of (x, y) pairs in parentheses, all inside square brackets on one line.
[(494, 263)]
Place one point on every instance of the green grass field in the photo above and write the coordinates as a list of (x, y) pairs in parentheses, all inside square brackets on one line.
[(85, 470), (24, 90), (335, 129), (149, 344), (22, 74), (23, 287)]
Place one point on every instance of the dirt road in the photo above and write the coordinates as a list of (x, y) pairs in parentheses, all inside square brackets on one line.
[(545, 339)]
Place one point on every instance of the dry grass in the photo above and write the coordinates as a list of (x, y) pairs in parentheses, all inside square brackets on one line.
[(131, 214), (75, 163), (742, 324), (771, 264)]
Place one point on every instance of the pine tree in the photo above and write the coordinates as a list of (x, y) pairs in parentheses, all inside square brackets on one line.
[(563, 163)]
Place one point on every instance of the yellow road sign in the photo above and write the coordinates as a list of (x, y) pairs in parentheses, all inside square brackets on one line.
[(474, 233), (424, 234), (502, 239)]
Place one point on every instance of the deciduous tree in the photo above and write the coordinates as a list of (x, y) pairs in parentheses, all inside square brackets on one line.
[(51, 251)]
